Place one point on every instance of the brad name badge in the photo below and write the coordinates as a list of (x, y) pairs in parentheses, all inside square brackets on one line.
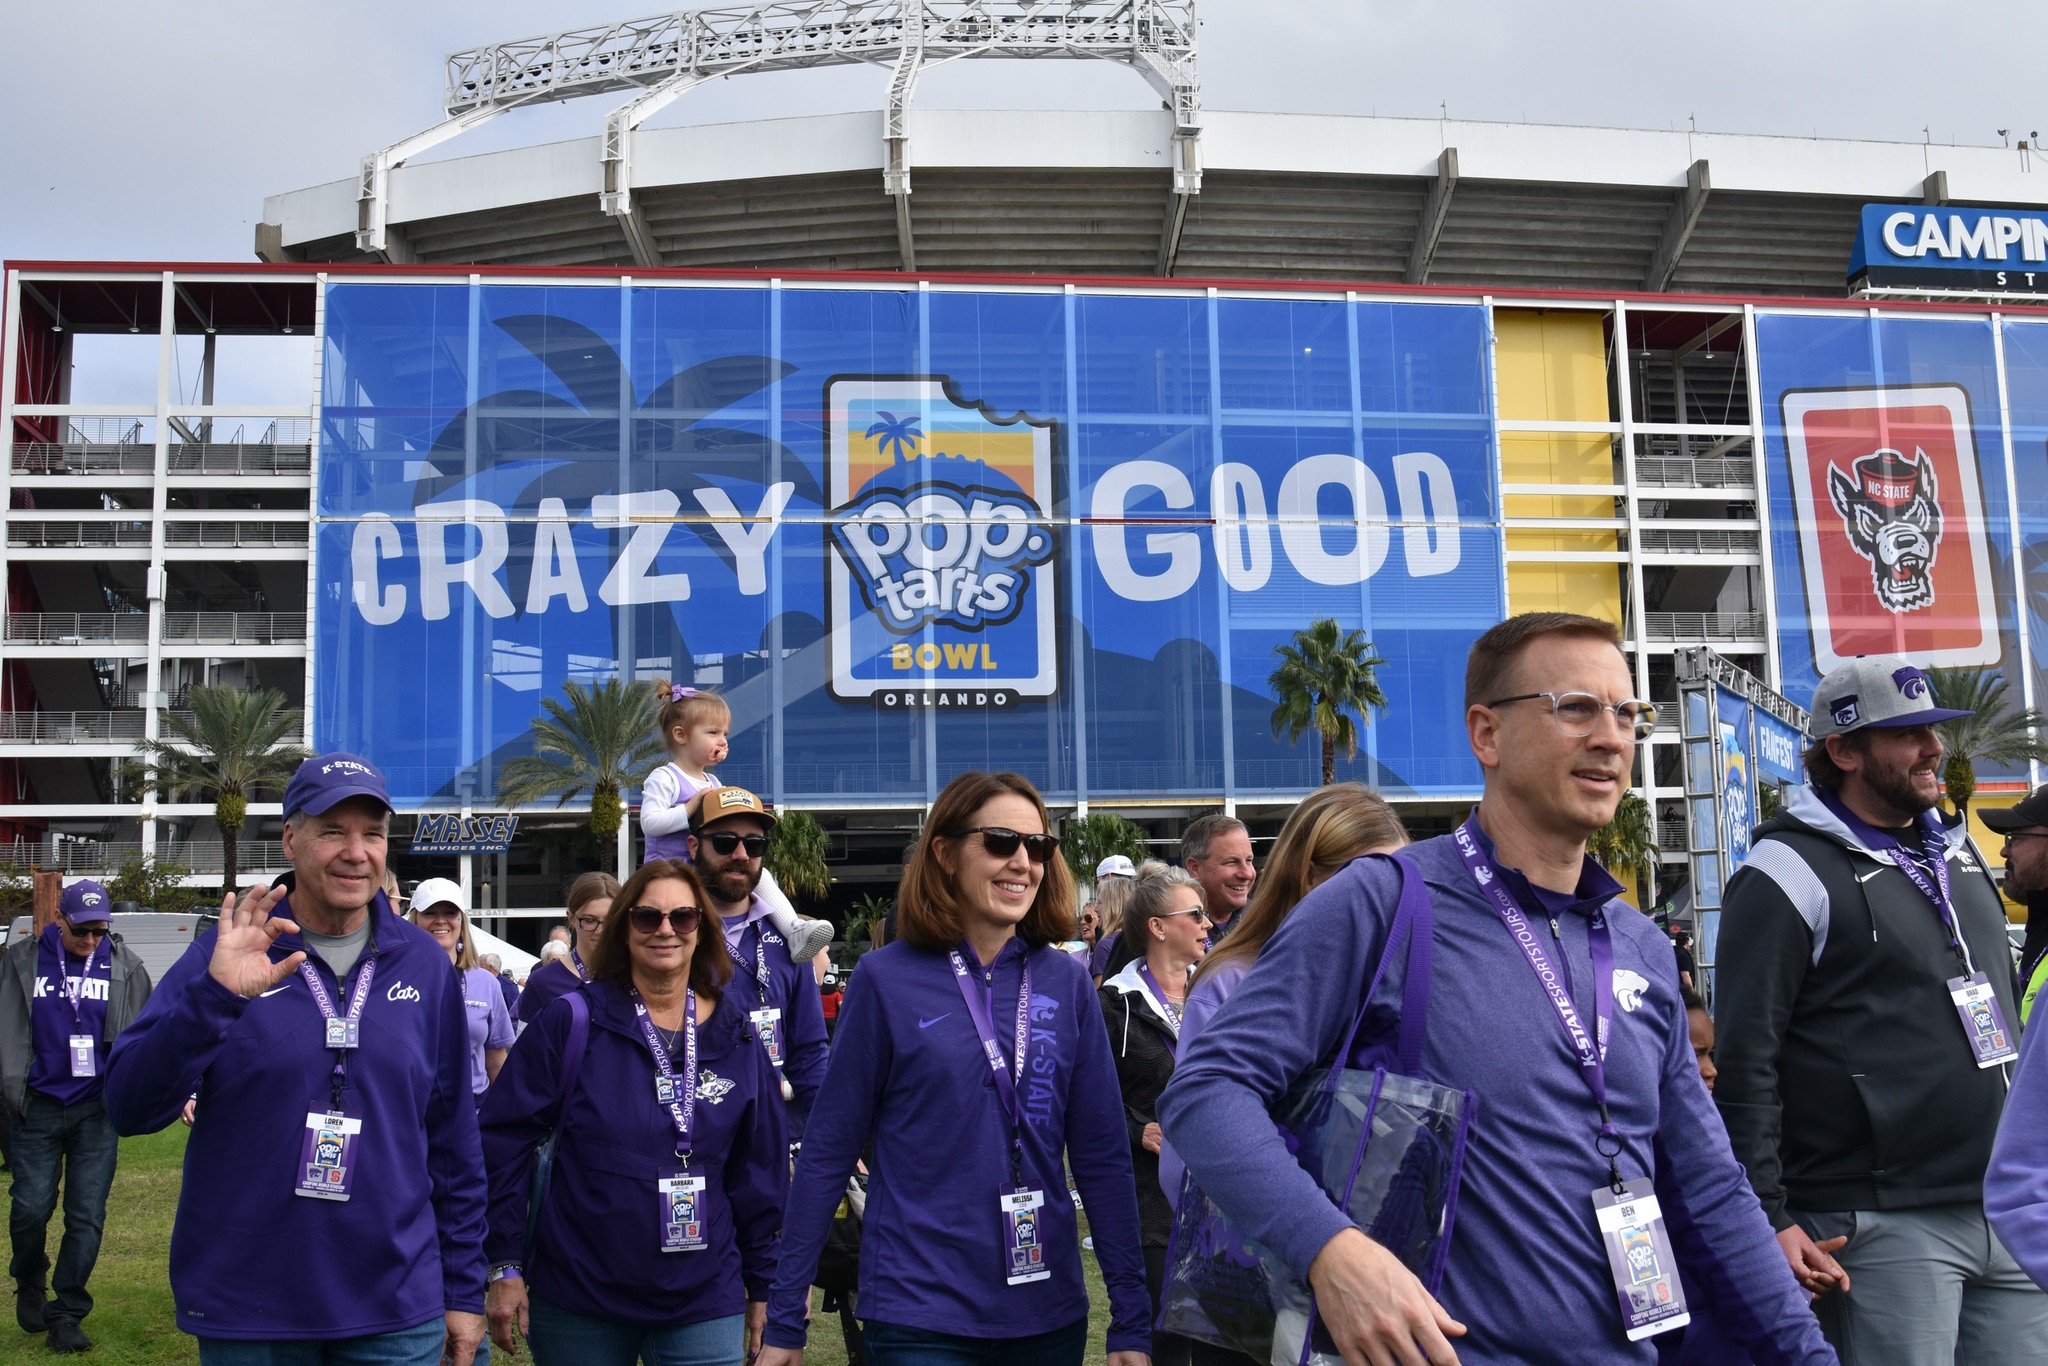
[(327, 1155), (84, 1061), (1640, 1259), (768, 1024), (682, 1213), (1023, 1243), (1983, 1021)]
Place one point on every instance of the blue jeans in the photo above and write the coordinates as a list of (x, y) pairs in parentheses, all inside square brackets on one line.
[(558, 1337), (893, 1345), (419, 1346), (74, 1144)]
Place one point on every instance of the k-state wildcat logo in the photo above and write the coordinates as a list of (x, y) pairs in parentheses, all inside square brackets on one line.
[(711, 1088)]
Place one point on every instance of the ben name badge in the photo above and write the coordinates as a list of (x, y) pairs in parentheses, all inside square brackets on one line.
[(1983, 1022), (1639, 1256), (1023, 1247), (344, 1033), (327, 1155), (84, 1061), (768, 1024), (682, 1214)]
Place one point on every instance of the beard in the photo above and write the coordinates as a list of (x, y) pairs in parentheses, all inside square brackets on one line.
[(1894, 786), (731, 885)]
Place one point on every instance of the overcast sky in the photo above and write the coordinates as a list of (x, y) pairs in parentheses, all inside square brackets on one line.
[(154, 131)]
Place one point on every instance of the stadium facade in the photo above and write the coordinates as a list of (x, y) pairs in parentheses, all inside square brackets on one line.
[(1028, 457)]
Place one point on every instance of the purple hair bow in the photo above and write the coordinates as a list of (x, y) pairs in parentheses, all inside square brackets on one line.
[(677, 692)]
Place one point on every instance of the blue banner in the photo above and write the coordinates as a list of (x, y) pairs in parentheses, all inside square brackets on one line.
[(1779, 751), (1733, 714), (1946, 247), (905, 532)]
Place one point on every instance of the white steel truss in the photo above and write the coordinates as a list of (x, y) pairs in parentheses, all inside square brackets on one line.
[(663, 57)]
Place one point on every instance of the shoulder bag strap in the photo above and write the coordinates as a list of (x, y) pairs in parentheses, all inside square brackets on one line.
[(1412, 920)]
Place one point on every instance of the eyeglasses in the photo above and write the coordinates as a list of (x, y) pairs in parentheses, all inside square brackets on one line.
[(2027, 835), (1576, 713), (589, 924), (1001, 843), (723, 842), (647, 919)]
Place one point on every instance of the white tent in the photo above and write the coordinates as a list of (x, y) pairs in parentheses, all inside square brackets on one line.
[(518, 962)]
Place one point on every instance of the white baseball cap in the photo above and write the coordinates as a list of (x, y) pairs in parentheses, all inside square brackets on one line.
[(1116, 865), (436, 890)]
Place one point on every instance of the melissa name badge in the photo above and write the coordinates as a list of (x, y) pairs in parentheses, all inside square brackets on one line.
[(1639, 1257), (1983, 1021), (84, 1060), (682, 1214), (1023, 1245), (768, 1024), (327, 1155)]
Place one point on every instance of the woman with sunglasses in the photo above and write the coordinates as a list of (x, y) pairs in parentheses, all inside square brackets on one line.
[(1142, 1005), (590, 901), (656, 1235), (438, 908), (973, 1062)]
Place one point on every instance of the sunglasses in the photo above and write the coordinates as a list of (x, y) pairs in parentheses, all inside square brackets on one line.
[(647, 920), (1002, 843), (98, 931), (723, 842), (1198, 914)]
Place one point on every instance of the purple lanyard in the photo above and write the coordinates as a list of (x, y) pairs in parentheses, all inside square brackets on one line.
[(682, 1105), (365, 970), (1172, 1011), (72, 994), (982, 1011), (577, 959), (761, 964), (1935, 889), (1599, 944)]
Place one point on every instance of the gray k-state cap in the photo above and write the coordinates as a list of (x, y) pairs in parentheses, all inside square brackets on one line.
[(1882, 692)]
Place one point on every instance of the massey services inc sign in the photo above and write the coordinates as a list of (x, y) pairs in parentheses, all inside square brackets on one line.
[(2003, 251)]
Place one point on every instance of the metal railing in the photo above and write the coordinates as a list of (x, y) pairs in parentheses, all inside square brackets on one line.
[(1696, 541), (50, 457), (239, 458), (27, 535), (1706, 625), (233, 535), (1677, 471), (234, 628), (1671, 837), (105, 857), (76, 628), (71, 727)]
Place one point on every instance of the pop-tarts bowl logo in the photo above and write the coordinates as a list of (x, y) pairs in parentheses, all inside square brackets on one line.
[(942, 580)]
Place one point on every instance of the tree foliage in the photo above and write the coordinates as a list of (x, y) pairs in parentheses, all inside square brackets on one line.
[(231, 745), (597, 740), (1325, 677), (1626, 846), (797, 849), (2001, 732), (1087, 840), (155, 885)]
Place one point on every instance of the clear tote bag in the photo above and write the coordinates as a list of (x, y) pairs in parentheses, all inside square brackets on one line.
[(1385, 1144)]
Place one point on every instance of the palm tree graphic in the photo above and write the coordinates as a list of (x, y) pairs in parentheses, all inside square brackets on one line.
[(895, 435)]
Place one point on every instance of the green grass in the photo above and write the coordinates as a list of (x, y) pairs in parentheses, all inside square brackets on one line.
[(133, 1320)]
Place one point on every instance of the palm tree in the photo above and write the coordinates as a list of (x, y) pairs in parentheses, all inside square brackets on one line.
[(1624, 846), (1088, 840), (599, 742), (231, 744), (1999, 732), (1325, 676), (897, 434), (796, 855)]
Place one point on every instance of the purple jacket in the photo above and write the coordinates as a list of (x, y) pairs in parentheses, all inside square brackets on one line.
[(598, 1248), (249, 1259), (909, 1076), (543, 985), (792, 989)]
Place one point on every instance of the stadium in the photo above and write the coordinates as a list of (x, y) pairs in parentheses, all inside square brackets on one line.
[(1137, 393)]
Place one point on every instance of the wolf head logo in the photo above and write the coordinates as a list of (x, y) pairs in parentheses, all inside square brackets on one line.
[(1891, 511)]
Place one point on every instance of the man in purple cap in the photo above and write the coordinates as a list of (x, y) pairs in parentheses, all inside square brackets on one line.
[(334, 1185), (64, 995), (1866, 1027)]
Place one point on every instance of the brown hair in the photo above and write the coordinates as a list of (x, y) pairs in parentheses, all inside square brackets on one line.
[(1822, 770), (1202, 831), (1332, 826), (687, 711), (710, 961), (588, 888), (1111, 896), (1492, 661), (928, 904)]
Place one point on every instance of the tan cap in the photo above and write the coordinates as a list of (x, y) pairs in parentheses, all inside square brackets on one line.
[(723, 802)]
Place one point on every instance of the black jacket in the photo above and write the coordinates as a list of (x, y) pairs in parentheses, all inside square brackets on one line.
[(1846, 1080), (1143, 1043)]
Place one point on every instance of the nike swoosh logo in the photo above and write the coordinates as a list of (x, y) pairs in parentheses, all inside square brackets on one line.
[(923, 1023), (274, 990), (1865, 877)]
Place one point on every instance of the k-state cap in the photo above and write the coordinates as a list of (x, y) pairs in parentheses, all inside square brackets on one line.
[(722, 803), (2031, 809), (1116, 865), (1877, 692), (85, 902), (327, 779)]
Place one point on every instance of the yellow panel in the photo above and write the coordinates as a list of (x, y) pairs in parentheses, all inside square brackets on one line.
[(1551, 366), (1591, 589)]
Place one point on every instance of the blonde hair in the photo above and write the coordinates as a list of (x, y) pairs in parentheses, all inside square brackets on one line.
[(1112, 894), (465, 951), (691, 709), (1332, 826)]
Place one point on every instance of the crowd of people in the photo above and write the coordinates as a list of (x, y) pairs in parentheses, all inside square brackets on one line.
[(651, 1163)]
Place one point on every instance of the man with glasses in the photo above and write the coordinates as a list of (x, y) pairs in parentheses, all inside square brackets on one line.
[(1557, 1006), (64, 995), (1865, 1027), (2025, 827), (779, 994)]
